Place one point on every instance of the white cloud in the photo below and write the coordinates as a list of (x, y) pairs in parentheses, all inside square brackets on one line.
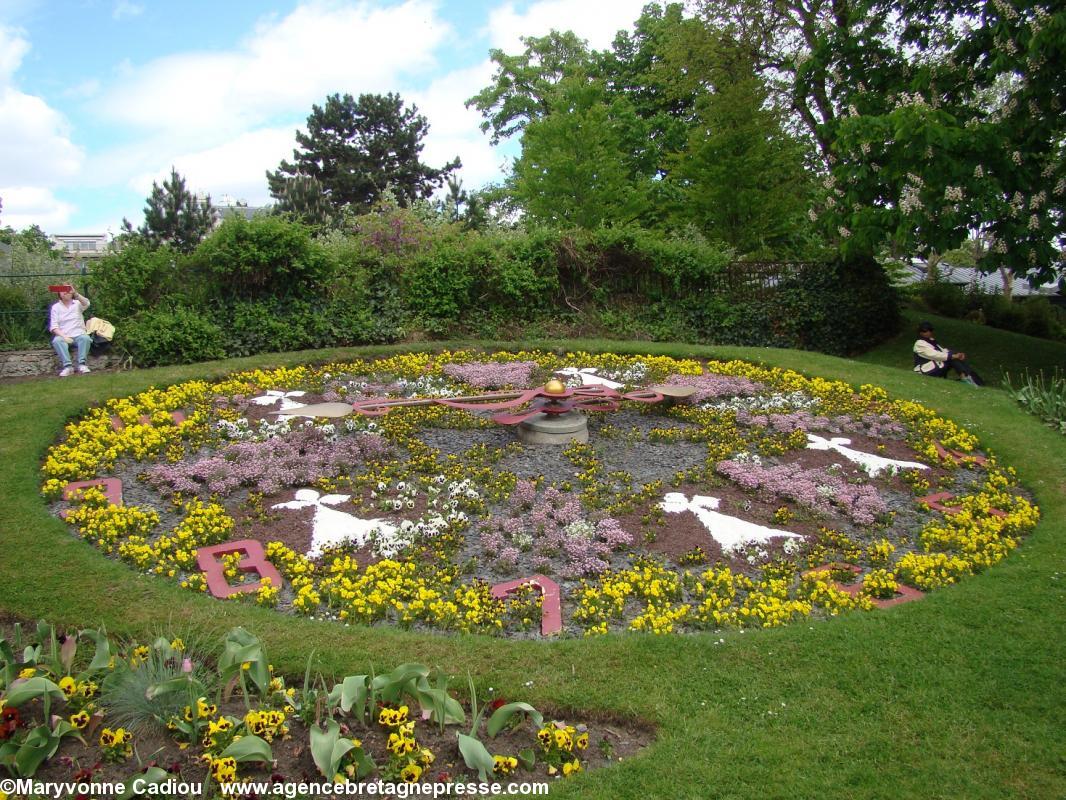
[(454, 130), (36, 148), (33, 205), (13, 47), (36, 152), (596, 21), (285, 64), (83, 90), (124, 9), (234, 168)]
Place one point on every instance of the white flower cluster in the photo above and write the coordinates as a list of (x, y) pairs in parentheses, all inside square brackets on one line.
[(444, 511), (916, 100), (405, 495), (427, 386), (581, 528), (241, 429), (746, 457), (910, 199), (362, 424), (633, 374), (1005, 9), (953, 193), (752, 552), (793, 401)]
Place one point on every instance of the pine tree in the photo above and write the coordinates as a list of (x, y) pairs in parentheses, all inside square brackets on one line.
[(356, 149), (304, 199), (175, 216)]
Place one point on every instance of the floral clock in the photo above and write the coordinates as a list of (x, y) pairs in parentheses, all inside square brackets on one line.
[(747, 497)]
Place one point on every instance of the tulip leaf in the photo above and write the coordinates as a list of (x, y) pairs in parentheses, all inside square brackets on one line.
[(499, 719), (249, 748), (476, 756)]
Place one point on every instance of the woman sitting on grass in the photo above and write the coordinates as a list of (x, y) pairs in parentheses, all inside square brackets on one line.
[(933, 360)]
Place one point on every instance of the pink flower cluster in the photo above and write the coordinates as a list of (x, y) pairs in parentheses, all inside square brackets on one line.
[(554, 529), (493, 374), (786, 423), (816, 489), (878, 426), (269, 466), (710, 387)]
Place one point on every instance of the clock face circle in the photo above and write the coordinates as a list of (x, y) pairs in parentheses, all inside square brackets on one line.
[(729, 495)]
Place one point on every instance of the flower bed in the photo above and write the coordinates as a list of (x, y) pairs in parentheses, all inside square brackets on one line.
[(696, 514), (74, 709)]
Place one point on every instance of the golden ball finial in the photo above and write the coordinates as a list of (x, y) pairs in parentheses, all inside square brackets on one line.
[(555, 386)]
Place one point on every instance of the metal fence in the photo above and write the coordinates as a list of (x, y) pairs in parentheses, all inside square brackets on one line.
[(25, 300)]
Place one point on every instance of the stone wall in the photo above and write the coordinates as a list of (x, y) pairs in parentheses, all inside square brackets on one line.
[(31, 363)]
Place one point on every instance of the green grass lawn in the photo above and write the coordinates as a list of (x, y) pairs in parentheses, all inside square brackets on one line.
[(991, 351), (958, 696)]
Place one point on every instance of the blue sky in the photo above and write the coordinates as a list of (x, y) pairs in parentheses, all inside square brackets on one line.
[(98, 98)]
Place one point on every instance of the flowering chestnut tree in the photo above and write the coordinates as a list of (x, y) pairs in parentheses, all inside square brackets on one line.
[(951, 122)]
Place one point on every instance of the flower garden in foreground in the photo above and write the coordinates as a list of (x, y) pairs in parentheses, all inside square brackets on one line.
[(764, 498)]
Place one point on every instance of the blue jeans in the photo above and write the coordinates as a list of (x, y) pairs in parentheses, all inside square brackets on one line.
[(62, 349)]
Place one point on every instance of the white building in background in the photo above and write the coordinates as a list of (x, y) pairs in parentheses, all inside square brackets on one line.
[(81, 246)]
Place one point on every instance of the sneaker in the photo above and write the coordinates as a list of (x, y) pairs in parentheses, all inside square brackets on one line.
[(969, 380), (66, 372), (82, 368)]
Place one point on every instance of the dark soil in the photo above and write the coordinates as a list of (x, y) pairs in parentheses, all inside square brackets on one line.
[(610, 741)]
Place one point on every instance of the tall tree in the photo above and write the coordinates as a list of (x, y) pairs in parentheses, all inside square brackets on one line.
[(741, 178), (33, 239), (357, 148), (524, 88), (638, 68), (174, 216), (961, 129), (304, 198), (574, 169)]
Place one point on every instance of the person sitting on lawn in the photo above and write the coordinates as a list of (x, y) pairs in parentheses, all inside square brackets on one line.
[(933, 360), (66, 323)]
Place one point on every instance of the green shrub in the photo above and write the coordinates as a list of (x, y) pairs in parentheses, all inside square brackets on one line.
[(172, 336), (136, 278), (945, 299), (438, 285), (840, 308), (267, 257), (262, 327), (20, 322), (258, 327), (1040, 318)]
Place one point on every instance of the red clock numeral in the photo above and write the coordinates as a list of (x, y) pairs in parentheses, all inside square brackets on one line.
[(253, 559), (551, 610)]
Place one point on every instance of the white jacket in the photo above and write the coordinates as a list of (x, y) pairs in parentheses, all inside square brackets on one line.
[(929, 356)]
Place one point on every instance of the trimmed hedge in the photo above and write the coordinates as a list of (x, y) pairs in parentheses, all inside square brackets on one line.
[(266, 285)]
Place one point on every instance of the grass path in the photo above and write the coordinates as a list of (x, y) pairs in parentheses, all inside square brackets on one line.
[(958, 696)]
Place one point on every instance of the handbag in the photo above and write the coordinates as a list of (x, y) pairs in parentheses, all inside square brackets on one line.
[(100, 329)]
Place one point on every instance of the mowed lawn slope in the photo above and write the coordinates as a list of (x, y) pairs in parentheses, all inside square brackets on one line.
[(958, 696), (992, 352)]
